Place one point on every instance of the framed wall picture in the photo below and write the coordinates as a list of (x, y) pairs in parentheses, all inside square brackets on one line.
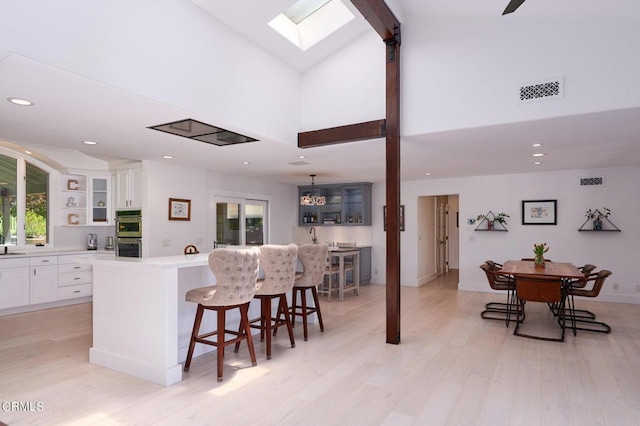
[(539, 212), (179, 209)]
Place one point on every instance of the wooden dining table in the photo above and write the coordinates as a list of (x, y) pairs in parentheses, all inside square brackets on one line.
[(563, 270), (558, 275)]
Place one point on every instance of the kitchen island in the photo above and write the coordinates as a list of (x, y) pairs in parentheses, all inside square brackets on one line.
[(141, 322)]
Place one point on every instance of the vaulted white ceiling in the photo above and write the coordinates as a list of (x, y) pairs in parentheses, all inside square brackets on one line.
[(122, 116)]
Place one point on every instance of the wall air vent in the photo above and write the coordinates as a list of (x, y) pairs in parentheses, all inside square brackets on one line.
[(299, 163), (592, 181), (542, 90)]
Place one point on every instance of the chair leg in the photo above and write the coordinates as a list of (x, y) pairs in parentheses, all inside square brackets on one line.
[(194, 334), (244, 319), (294, 302), (303, 296), (284, 311), (314, 292), (220, 340), (265, 320)]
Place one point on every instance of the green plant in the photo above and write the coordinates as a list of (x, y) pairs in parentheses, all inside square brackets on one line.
[(540, 249), (597, 214), (491, 217)]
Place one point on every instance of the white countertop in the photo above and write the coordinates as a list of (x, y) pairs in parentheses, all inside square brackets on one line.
[(47, 251), (178, 261)]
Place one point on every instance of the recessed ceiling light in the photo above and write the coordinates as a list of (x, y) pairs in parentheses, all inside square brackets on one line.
[(168, 157), (27, 152), (537, 144), (301, 157), (537, 154), (90, 143), (245, 162), (18, 101), (537, 162), (427, 174)]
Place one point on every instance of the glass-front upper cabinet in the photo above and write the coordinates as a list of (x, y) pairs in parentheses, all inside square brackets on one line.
[(342, 204), (100, 199)]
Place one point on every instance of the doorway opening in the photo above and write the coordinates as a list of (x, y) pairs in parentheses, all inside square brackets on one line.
[(438, 242)]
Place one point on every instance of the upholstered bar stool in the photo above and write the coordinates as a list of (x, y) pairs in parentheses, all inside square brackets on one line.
[(279, 266), (236, 271), (313, 258)]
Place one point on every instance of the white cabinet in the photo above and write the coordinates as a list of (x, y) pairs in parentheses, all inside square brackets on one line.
[(14, 283), (129, 188), (44, 279), (99, 207), (86, 199), (74, 279)]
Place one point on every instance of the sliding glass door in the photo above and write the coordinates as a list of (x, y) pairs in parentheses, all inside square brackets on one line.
[(241, 222)]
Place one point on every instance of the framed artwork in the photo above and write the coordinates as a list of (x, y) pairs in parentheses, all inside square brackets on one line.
[(539, 212), (179, 209), (384, 220)]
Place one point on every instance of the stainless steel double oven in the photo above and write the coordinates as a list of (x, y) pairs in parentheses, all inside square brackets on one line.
[(129, 233)]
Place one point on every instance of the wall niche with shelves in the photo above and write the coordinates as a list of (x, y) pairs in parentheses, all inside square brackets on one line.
[(345, 205), (85, 199)]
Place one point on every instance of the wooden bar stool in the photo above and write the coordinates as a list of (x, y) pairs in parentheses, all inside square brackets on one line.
[(314, 259), (279, 266), (236, 271)]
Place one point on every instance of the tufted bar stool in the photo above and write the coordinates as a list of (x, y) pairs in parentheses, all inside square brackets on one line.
[(314, 260), (236, 271), (279, 265)]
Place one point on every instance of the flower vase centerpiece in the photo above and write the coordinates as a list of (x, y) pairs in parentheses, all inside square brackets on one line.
[(540, 250)]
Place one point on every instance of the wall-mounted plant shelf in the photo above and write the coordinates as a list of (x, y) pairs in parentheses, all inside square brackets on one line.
[(605, 224), (490, 222)]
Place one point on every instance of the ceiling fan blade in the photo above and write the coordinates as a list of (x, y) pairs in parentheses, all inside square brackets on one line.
[(512, 6)]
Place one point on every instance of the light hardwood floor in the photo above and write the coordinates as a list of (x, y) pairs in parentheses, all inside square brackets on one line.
[(451, 368)]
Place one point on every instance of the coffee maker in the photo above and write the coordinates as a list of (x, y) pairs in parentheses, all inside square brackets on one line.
[(92, 242)]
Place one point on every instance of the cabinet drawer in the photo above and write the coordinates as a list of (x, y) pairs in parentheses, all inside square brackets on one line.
[(73, 258), (44, 261), (9, 263), (73, 278), (75, 291), (73, 267)]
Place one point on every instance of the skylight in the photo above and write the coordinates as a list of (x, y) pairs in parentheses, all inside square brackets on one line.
[(302, 9), (307, 22)]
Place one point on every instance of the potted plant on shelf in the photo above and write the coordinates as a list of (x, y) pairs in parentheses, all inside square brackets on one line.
[(597, 215), (540, 250), (501, 218)]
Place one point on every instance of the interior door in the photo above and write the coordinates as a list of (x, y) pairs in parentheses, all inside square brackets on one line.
[(442, 238)]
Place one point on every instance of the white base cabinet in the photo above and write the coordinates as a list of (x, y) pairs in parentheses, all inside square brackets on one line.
[(14, 283), (44, 279), (74, 280)]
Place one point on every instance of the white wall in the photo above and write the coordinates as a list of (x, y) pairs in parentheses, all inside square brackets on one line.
[(164, 181), (465, 72), (616, 251)]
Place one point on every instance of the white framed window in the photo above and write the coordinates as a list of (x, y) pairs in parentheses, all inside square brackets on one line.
[(24, 201)]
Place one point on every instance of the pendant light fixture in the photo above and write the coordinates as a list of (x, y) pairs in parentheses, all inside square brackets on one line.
[(310, 199)]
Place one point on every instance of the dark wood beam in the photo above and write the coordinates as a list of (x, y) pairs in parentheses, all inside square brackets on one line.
[(379, 16), (350, 133), (393, 187)]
